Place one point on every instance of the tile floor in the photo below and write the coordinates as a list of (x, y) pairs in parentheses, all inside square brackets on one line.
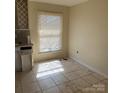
[(55, 76)]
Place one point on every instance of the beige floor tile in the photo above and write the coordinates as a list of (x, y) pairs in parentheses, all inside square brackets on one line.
[(72, 75), (27, 77), (31, 88), (74, 87), (47, 66), (35, 69), (71, 69), (66, 88), (55, 64), (18, 87), (17, 83), (82, 72), (43, 67), (18, 90), (59, 78), (46, 83), (100, 87), (105, 81), (89, 90), (52, 90), (43, 77), (90, 79), (67, 63), (80, 83), (105, 84), (98, 76)]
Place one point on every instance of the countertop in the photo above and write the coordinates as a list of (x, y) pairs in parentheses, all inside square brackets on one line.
[(23, 45)]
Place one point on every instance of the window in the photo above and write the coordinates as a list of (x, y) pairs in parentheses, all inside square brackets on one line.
[(50, 32)]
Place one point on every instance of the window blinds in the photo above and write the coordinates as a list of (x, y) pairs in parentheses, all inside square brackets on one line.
[(50, 32)]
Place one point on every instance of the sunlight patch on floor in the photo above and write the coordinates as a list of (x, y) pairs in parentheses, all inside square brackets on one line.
[(49, 68)]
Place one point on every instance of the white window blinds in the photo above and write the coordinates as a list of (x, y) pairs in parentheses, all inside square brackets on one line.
[(50, 32)]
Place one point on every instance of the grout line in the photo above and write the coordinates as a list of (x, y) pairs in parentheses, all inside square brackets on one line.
[(56, 84), (37, 82), (49, 87), (77, 89)]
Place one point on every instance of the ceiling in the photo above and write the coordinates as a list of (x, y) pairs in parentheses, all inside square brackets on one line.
[(62, 2)]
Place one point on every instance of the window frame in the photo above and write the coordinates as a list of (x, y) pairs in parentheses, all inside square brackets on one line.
[(50, 13)]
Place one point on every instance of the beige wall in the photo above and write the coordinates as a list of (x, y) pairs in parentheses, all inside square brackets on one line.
[(33, 10), (88, 34)]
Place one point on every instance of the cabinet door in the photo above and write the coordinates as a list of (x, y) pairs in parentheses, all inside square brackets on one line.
[(26, 62)]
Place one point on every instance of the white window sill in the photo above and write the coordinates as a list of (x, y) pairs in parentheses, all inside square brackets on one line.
[(56, 51)]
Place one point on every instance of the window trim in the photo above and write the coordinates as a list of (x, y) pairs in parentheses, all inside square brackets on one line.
[(56, 14)]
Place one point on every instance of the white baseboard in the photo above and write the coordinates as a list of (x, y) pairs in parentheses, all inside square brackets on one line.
[(91, 68)]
